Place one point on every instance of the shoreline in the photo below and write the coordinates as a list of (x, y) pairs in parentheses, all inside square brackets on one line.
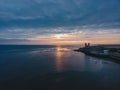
[(102, 51)]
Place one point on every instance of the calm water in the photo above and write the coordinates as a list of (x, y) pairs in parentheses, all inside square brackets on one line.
[(55, 68)]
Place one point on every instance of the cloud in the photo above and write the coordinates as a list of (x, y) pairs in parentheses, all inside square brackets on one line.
[(60, 35), (30, 19), (44, 13), (13, 41)]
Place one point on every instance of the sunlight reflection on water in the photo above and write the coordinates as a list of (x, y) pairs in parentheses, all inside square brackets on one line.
[(67, 60), (34, 62), (58, 60)]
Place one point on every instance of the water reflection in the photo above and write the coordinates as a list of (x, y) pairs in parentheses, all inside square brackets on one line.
[(68, 60), (58, 60), (92, 64), (60, 53)]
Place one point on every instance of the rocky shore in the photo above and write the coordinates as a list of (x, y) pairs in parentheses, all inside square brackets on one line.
[(103, 51)]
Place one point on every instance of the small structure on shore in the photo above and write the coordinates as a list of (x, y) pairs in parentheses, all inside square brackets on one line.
[(87, 44)]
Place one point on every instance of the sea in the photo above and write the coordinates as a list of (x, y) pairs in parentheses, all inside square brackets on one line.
[(50, 67)]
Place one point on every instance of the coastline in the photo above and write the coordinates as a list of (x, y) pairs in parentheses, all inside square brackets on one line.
[(102, 51)]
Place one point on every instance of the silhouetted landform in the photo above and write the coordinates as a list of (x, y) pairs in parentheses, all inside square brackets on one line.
[(70, 80), (104, 51)]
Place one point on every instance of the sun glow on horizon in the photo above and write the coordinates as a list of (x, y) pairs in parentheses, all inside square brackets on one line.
[(76, 38), (57, 36), (61, 36)]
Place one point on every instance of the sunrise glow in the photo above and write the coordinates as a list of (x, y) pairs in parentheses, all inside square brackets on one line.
[(73, 38)]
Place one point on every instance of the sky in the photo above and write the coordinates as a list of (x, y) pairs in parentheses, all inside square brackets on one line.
[(59, 21)]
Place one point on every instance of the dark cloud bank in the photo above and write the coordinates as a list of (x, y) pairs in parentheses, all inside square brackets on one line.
[(37, 13), (58, 13)]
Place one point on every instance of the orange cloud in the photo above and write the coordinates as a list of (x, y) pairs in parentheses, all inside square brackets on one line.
[(77, 38)]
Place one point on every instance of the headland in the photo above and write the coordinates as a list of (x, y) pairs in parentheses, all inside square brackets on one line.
[(103, 51)]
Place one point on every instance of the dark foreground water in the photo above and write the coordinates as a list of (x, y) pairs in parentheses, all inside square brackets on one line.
[(55, 68)]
